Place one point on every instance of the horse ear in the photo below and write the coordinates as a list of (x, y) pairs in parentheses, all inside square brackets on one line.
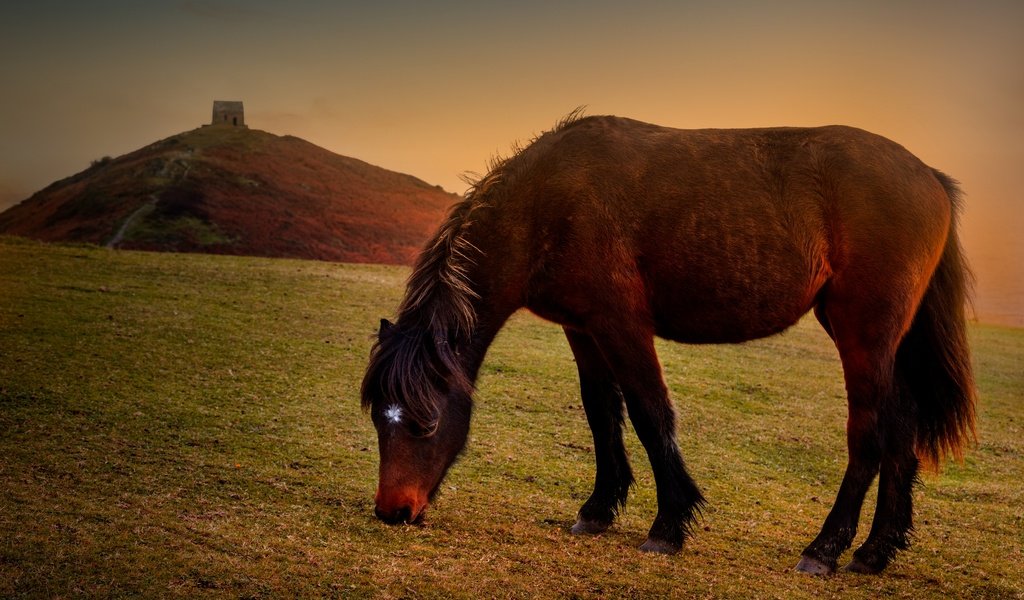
[(385, 328)]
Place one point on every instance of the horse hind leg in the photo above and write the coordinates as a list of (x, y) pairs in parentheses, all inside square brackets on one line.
[(864, 453), (933, 409), (879, 439), (893, 521), (604, 406)]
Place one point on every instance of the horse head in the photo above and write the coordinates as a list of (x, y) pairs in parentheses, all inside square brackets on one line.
[(420, 405)]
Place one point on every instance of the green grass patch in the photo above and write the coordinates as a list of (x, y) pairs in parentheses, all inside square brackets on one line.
[(174, 425), (167, 230)]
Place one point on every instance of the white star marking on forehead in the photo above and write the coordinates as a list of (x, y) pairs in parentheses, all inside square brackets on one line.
[(393, 414)]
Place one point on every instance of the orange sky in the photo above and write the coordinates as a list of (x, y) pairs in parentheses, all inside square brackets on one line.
[(435, 89)]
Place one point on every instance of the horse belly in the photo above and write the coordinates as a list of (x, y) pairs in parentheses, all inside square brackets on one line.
[(734, 297)]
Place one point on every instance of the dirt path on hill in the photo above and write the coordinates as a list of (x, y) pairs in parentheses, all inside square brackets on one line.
[(180, 160), (136, 216)]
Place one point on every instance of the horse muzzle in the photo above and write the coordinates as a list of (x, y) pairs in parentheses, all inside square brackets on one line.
[(404, 505)]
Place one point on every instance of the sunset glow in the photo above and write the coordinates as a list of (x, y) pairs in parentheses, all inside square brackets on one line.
[(436, 89)]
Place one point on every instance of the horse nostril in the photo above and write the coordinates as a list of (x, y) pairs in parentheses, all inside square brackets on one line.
[(404, 514), (394, 517)]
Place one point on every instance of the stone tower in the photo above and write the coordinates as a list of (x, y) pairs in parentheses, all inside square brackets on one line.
[(228, 112)]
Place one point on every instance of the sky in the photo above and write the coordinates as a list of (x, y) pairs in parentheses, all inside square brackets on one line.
[(436, 89)]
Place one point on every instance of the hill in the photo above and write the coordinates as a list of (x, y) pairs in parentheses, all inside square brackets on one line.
[(228, 190)]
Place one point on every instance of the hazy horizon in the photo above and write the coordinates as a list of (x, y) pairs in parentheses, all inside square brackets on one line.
[(436, 90)]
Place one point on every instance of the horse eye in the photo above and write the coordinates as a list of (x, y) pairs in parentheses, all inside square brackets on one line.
[(423, 431)]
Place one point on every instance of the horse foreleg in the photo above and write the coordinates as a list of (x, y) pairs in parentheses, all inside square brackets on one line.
[(634, 363), (603, 404)]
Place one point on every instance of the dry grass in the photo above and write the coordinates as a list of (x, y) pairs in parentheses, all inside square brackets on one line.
[(172, 425)]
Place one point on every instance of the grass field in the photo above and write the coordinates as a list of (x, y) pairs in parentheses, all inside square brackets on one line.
[(182, 425)]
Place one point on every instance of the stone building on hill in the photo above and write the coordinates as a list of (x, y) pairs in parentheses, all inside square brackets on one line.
[(228, 112)]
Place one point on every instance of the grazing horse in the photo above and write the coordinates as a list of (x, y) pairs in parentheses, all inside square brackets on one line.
[(620, 231)]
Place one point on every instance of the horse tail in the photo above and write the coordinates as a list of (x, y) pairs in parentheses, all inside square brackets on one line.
[(934, 360)]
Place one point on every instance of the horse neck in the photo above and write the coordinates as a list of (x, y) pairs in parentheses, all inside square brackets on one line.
[(485, 270), (449, 293), (473, 354)]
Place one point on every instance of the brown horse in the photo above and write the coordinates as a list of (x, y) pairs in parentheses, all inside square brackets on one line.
[(619, 231)]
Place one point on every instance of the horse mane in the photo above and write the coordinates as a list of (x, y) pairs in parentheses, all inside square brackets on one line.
[(412, 360)]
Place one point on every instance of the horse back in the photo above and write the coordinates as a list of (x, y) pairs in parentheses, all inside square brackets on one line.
[(713, 235)]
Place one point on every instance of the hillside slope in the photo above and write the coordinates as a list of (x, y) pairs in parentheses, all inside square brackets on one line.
[(227, 190)]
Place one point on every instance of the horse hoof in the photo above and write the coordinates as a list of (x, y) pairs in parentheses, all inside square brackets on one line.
[(863, 568), (813, 566), (588, 527), (659, 546)]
